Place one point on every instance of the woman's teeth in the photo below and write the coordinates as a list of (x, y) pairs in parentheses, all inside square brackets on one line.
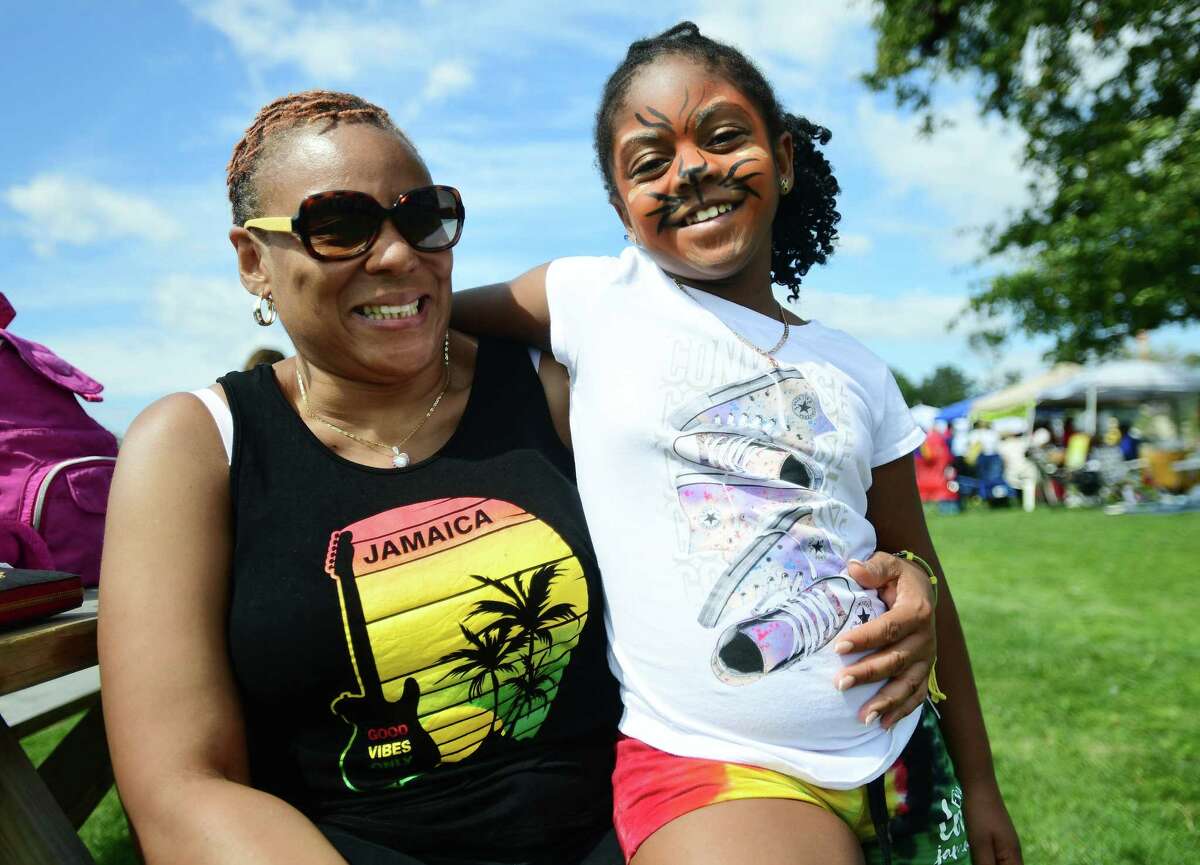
[(708, 213), (380, 313)]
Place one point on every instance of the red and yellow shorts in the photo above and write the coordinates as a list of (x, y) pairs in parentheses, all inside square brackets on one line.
[(923, 798)]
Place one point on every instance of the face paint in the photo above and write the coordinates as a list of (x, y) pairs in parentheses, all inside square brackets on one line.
[(731, 180), (698, 188)]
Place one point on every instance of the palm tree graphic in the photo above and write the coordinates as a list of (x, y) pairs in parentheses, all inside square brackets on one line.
[(527, 614), (484, 658), (524, 619)]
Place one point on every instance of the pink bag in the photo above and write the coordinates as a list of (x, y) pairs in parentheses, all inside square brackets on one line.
[(56, 463)]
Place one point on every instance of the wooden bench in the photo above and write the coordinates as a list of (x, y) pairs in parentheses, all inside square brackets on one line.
[(41, 809)]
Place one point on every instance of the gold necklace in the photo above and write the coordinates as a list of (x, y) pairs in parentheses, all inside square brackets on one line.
[(769, 353), (400, 459)]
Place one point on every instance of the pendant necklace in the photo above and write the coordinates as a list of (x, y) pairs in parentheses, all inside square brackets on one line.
[(769, 353), (400, 459)]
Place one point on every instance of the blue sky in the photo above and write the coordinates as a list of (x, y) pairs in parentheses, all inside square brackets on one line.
[(122, 115)]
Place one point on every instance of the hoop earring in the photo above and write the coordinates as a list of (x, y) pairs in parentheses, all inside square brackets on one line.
[(268, 319)]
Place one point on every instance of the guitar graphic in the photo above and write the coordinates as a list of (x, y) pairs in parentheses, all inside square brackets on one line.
[(387, 746)]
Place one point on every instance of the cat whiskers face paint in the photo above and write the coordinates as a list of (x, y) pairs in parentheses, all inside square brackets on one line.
[(732, 180), (693, 164)]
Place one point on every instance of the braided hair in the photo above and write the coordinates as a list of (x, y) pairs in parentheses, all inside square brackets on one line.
[(273, 123), (805, 225)]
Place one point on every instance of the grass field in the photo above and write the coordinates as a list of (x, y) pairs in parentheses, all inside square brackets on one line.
[(1085, 635)]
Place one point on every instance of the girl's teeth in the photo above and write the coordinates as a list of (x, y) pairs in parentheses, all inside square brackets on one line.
[(709, 213), (385, 313)]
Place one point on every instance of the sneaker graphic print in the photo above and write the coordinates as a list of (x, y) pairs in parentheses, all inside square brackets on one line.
[(750, 493)]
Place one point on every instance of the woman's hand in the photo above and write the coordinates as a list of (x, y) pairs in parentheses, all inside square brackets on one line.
[(903, 635), (990, 830)]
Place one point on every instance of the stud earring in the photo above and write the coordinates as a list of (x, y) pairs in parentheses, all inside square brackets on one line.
[(268, 318), (783, 185)]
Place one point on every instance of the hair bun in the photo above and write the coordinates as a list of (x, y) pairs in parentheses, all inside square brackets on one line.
[(681, 31)]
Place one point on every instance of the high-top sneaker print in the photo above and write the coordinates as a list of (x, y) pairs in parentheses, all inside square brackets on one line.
[(781, 405), (724, 512), (789, 555), (798, 628), (747, 456)]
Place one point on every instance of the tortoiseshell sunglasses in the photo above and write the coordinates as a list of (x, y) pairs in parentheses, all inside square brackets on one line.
[(342, 223)]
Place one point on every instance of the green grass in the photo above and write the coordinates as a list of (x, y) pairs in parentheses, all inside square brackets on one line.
[(1084, 631), (1085, 636), (106, 832)]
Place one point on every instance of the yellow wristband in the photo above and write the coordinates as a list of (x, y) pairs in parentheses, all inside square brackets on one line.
[(936, 695), (913, 557)]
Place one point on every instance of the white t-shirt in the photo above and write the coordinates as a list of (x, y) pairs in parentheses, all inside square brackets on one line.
[(724, 499)]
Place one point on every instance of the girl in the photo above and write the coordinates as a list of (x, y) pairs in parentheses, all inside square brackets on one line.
[(735, 462)]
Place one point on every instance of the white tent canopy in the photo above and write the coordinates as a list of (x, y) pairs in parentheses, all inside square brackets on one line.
[(1119, 382), (1019, 398), (1127, 381)]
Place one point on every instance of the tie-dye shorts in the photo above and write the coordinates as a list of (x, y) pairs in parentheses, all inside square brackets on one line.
[(923, 798)]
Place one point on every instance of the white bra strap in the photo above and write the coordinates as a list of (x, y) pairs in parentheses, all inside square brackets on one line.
[(221, 416)]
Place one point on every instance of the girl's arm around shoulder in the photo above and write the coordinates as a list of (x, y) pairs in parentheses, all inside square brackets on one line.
[(516, 310), (174, 721)]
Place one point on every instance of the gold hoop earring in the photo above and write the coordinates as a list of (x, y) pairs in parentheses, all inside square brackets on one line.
[(264, 319)]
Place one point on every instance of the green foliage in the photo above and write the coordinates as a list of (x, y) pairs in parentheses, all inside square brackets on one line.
[(945, 385), (1107, 95), (908, 390)]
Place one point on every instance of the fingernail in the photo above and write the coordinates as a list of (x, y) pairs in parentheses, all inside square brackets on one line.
[(845, 683), (871, 718), (857, 562), (843, 646)]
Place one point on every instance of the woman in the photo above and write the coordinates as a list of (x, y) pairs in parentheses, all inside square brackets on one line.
[(364, 626)]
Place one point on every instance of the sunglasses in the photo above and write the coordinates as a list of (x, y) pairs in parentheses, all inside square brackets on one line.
[(341, 224)]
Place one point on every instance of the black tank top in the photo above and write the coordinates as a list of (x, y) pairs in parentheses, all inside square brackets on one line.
[(420, 652)]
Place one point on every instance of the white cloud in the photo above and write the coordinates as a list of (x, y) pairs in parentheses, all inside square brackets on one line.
[(194, 329), (970, 169), (854, 244), (61, 210), (352, 42), (809, 34), (326, 43), (447, 78), (917, 316)]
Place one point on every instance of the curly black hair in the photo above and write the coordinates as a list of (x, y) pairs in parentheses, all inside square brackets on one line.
[(805, 225)]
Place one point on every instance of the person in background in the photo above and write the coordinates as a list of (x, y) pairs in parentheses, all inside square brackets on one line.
[(268, 356), (1129, 442)]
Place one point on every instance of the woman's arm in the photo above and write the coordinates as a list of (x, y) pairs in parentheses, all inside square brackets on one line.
[(515, 310), (173, 717), (894, 508)]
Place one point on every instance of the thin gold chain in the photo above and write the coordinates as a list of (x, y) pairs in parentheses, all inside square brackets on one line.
[(769, 353), (397, 455)]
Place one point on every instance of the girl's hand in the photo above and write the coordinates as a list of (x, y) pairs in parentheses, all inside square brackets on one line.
[(990, 830), (903, 635)]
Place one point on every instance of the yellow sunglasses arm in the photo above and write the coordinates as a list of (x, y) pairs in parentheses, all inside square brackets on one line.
[(270, 223)]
